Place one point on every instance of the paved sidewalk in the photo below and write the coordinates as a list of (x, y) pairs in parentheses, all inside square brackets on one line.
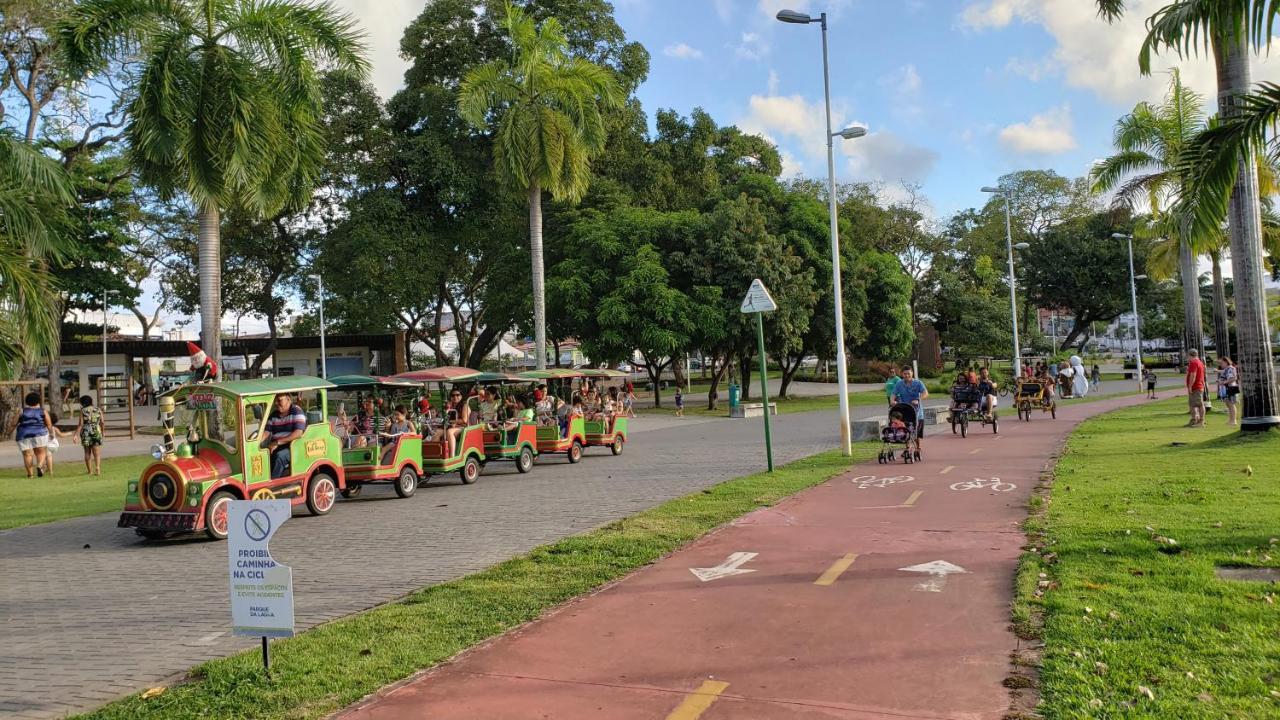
[(882, 594)]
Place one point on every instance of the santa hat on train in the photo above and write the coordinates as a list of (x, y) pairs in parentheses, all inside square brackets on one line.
[(197, 355)]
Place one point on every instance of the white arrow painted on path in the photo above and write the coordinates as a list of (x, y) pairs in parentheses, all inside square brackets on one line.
[(938, 571), (731, 566)]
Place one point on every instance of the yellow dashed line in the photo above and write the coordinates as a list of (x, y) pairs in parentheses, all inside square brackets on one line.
[(697, 703), (975, 451), (837, 568), (912, 500), (946, 469)]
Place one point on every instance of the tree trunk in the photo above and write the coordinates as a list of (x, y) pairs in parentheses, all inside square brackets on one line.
[(1253, 336), (210, 270), (744, 371), (539, 301), (717, 374), (1221, 332), (1192, 328), (677, 371)]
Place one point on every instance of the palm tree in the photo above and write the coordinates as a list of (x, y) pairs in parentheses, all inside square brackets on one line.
[(1228, 29), (547, 110), (227, 103), (34, 193), (1150, 141)]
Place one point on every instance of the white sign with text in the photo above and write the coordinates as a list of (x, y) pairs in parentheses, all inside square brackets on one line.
[(261, 588)]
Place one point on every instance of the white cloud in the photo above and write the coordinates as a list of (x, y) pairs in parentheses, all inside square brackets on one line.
[(773, 82), (905, 80), (682, 51), (724, 9), (1094, 55), (383, 22), (752, 46), (880, 156), (1033, 70), (1047, 133)]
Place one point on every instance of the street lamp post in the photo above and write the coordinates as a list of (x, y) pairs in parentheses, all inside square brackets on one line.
[(1133, 297), (324, 361), (1013, 299), (849, 133)]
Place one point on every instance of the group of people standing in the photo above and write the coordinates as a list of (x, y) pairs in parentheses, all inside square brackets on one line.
[(1228, 383), (38, 436)]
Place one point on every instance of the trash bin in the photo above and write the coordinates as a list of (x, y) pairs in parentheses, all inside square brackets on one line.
[(735, 393)]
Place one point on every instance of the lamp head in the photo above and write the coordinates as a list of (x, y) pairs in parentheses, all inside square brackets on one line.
[(791, 16), (851, 132), (1139, 277), (989, 189), (1021, 246), (1121, 236)]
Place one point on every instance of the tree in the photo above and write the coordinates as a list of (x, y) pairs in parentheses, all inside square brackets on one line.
[(969, 308), (548, 107), (226, 106), (1079, 267), (1228, 29), (1150, 141)]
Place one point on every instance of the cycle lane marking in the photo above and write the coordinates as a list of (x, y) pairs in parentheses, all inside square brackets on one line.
[(837, 568), (946, 469), (911, 501), (697, 702)]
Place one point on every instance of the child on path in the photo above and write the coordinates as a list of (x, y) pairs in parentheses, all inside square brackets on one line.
[(89, 431), (1095, 377), (54, 434), (1151, 384), (679, 403)]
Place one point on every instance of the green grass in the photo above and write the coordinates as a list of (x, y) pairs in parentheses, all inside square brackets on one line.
[(69, 493), (785, 405), (336, 664), (1121, 614)]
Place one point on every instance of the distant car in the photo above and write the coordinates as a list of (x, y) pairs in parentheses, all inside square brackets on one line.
[(624, 367)]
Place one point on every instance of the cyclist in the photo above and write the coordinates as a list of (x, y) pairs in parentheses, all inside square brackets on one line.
[(987, 389)]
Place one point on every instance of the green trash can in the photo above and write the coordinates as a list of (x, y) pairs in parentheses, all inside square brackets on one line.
[(735, 394)]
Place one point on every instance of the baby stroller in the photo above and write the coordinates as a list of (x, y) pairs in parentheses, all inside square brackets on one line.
[(904, 432)]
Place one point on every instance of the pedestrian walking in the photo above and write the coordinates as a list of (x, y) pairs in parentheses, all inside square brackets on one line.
[(90, 432), (1095, 377), (32, 434), (1228, 387), (54, 443), (629, 400), (890, 384), (1195, 383), (679, 403), (1150, 376)]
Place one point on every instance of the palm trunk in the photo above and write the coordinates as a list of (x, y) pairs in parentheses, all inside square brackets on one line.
[(210, 264), (1253, 336), (1192, 328), (1221, 333), (539, 301)]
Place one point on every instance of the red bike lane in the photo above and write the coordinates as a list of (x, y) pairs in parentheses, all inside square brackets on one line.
[(881, 594)]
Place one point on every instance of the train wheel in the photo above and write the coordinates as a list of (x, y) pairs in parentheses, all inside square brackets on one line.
[(524, 462), (617, 445), (575, 451), (470, 471), (322, 492), (352, 491), (215, 515), (407, 482)]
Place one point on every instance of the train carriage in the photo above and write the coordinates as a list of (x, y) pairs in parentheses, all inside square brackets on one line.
[(468, 456), (609, 431), (378, 456)]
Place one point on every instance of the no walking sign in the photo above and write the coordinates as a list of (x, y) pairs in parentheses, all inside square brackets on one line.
[(261, 588)]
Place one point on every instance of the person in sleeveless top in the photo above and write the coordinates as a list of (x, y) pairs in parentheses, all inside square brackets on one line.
[(33, 433)]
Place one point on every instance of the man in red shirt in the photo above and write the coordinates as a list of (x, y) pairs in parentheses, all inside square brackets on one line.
[(1195, 388)]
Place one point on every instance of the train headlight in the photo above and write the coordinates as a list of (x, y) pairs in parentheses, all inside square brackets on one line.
[(157, 451), (162, 491)]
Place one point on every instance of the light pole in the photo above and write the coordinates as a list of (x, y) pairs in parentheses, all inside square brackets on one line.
[(324, 362), (1133, 297), (1013, 299), (849, 133)]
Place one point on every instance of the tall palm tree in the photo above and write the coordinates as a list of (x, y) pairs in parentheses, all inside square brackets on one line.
[(1228, 29), (547, 110), (1150, 141), (227, 104), (34, 193)]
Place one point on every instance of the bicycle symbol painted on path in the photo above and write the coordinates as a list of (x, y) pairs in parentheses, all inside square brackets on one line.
[(994, 483), (869, 481)]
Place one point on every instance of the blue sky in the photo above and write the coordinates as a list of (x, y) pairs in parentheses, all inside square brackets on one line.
[(954, 92)]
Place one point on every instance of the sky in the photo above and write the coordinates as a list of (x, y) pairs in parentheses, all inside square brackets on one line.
[(954, 93)]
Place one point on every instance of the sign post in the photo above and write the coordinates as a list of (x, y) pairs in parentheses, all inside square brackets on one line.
[(261, 588), (759, 301)]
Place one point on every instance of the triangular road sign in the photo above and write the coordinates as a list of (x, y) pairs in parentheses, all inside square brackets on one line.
[(758, 299)]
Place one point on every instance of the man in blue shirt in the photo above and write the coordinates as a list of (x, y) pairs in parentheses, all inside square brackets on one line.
[(285, 424), (911, 391)]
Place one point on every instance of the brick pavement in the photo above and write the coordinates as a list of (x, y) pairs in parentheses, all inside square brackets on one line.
[(89, 613)]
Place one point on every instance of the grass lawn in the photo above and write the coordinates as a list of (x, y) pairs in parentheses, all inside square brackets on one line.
[(1135, 626), (785, 405), (336, 664), (69, 493)]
